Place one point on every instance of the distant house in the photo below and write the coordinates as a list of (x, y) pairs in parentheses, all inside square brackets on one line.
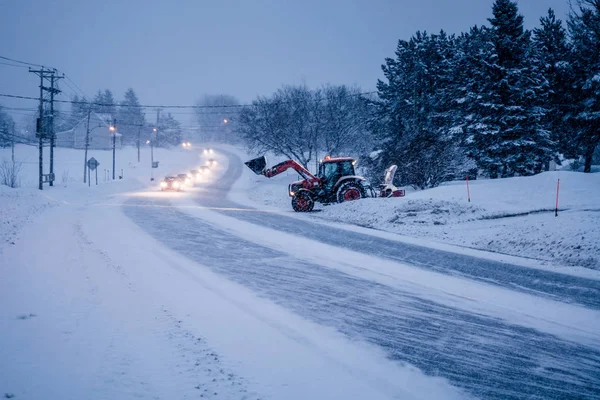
[(100, 135)]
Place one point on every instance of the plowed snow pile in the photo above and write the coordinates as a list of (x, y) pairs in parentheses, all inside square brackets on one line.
[(513, 216)]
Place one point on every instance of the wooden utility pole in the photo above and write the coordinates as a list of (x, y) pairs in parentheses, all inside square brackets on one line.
[(53, 91), (12, 142), (114, 143), (44, 130), (39, 127), (87, 143)]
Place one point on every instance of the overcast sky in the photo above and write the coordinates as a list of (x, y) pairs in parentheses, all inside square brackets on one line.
[(171, 52)]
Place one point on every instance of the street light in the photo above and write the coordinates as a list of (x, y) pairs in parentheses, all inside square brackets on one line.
[(151, 143), (112, 130), (225, 121)]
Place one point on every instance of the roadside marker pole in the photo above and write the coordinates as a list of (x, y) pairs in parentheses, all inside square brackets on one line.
[(557, 189), (468, 190)]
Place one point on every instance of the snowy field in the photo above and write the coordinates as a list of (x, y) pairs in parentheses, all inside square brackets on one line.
[(123, 291), (507, 216)]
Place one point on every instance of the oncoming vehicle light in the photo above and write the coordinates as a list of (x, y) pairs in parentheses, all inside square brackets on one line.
[(163, 184)]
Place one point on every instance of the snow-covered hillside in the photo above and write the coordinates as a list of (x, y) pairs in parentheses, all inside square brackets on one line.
[(512, 216)]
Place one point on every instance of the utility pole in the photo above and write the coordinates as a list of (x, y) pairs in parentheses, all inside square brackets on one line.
[(114, 142), (41, 133), (40, 126), (13, 143), (53, 91), (152, 154), (157, 119), (87, 143), (138, 142)]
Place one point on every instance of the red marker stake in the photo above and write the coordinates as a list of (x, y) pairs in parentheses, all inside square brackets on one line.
[(557, 189), (468, 191)]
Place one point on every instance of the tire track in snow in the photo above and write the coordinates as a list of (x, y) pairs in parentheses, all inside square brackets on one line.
[(552, 285), (485, 356)]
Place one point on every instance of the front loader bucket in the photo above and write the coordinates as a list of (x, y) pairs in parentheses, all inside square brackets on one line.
[(257, 165)]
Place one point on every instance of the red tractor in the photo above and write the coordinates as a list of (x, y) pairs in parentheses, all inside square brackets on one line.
[(336, 182)]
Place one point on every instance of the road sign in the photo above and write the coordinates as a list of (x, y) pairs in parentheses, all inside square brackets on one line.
[(92, 163), (47, 178)]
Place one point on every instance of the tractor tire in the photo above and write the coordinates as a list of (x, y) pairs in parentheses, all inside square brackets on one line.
[(303, 202), (349, 191)]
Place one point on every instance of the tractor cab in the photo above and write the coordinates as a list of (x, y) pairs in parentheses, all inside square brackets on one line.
[(332, 169)]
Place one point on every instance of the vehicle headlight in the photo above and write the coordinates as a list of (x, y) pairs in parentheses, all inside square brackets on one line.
[(163, 184), (176, 185)]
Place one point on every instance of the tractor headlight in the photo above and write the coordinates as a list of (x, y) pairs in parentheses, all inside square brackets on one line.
[(292, 194)]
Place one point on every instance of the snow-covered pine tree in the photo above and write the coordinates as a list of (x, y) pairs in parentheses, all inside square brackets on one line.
[(130, 118), (551, 57), (169, 130), (416, 110), (104, 104), (584, 29), (505, 131), (5, 128)]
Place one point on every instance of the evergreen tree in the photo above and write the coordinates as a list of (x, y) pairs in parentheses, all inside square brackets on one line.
[(169, 131), (505, 131), (584, 28), (416, 110), (5, 128), (79, 110), (551, 57), (104, 104), (130, 119)]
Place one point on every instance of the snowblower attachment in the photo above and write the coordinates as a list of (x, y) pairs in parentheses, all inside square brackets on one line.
[(257, 165), (387, 189)]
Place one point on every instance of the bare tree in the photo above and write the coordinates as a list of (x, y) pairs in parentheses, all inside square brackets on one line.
[(344, 123), (216, 115), (300, 123), (10, 174)]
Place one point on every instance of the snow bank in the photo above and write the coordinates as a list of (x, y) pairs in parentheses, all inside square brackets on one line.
[(513, 216), (17, 208)]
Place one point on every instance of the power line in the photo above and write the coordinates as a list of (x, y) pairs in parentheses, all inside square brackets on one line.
[(20, 62), (13, 65), (74, 84), (141, 106)]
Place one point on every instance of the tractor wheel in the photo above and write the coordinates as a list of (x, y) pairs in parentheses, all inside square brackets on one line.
[(303, 202), (349, 191)]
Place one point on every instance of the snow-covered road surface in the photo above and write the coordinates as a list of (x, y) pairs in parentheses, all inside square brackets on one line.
[(487, 356), (558, 286), (121, 291)]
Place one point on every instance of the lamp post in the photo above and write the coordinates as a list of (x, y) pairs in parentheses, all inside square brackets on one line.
[(113, 129), (152, 155)]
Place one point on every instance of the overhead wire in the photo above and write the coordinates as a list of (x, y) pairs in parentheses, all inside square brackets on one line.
[(163, 106)]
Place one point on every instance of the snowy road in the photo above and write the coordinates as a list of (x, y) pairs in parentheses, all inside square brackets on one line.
[(560, 287), (484, 355)]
